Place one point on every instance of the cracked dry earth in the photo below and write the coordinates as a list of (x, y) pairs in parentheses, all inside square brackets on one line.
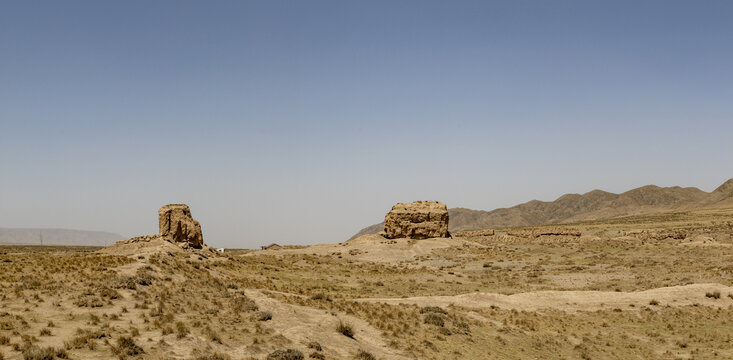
[(654, 287)]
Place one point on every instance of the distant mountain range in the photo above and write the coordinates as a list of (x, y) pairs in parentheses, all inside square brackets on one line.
[(593, 205), (57, 237)]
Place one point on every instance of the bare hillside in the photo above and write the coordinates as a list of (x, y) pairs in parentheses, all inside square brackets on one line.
[(593, 205)]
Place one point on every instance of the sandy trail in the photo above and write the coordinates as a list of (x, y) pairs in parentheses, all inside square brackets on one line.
[(577, 300)]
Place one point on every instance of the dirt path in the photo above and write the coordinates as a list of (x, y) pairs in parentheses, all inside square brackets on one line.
[(578, 300)]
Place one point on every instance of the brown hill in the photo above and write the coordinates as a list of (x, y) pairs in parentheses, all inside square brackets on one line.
[(593, 205)]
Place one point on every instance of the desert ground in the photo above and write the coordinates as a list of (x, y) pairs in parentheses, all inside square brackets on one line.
[(644, 287)]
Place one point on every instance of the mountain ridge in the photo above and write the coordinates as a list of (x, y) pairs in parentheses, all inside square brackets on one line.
[(593, 205)]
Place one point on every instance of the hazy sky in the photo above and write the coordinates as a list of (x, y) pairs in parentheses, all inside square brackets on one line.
[(304, 121)]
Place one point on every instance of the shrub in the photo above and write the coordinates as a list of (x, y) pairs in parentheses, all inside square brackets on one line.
[(654, 302), (345, 329), (214, 356), (244, 304), (432, 309), (714, 294), (315, 346), (288, 354), (126, 346), (212, 335), (263, 316), (434, 319), (313, 355), (181, 330), (33, 352), (320, 296), (363, 355), (4, 340), (45, 332)]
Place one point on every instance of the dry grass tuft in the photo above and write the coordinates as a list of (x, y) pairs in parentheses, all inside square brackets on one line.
[(363, 355), (126, 346), (345, 329), (287, 354), (32, 352)]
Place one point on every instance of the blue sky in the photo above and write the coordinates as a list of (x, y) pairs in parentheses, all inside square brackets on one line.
[(301, 122)]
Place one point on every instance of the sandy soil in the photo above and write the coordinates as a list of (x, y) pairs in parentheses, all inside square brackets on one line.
[(576, 300)]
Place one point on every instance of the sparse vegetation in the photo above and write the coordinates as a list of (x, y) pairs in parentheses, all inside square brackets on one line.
[(263, 315), (126, 346), (168, 299), (213, 356), (434, 319), (181, 330), (363, 355), (345, 329), (287, 354), (32, 352)]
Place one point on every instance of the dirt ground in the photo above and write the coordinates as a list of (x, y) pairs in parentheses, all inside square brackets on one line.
[(646, 287)]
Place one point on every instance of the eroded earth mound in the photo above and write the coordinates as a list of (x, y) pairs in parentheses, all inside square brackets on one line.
[(178, 231), (176, 223), (417, 220)]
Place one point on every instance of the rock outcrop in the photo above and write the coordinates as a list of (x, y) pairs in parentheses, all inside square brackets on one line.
[(176, 224), (417, 220)]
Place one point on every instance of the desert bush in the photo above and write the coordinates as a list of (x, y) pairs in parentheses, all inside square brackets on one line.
[(320, 296), (288, 354), (181, 330), (33, 352), (654, 302), (4, 340), (434, 319), (212, 335), (126, 346), (345, 329), (88, 301), (83, 339), (714, 294), (214, 356), (123, 282), (263, 315), (363, 355), (315, 346), (244, 304), (45, 332), (317, 356), (143, 278), (433, 309)]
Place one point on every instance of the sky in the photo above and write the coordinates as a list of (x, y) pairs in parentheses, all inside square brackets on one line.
[(301, 122)]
